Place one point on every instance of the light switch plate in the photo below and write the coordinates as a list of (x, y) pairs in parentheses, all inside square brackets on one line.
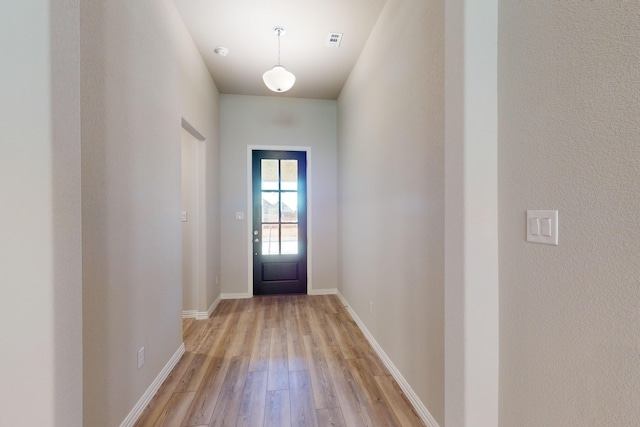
[(239, 215), (542, 227), (183, 216)]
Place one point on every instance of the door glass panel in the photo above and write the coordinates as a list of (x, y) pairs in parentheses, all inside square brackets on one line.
[(290, 207), (270, 239), (270, 174), (289, 174), (289, 238), (270, 211)]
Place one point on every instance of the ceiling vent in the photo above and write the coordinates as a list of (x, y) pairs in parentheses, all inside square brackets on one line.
[(334, 39)]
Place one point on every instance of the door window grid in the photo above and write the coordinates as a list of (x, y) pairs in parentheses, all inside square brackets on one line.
[(279, 218)]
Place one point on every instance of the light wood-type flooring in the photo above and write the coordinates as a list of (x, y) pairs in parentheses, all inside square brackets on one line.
[(278, 361)]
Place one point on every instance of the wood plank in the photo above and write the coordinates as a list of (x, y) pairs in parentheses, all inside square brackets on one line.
[(208, 393), (297, 355), (278, 409), (228, 405), (377, 407), (165, 392), (188, 325), (320, 330), (245, 334), (195, 374), (331, 417), (278, 378), (375, 365), (206, 398), (252, 407), (350, 349), (335, 303), (199, 332), (324, 393), (350, 398), (303, 412), (176, 409), (398, 402), (259, 359)]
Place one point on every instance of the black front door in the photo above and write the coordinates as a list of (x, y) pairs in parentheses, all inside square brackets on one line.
[(279, 222)]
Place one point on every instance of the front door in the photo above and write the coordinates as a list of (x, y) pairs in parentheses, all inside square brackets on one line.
[(279, 222)]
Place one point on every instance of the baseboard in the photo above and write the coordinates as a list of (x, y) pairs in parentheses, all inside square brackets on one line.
[(235, 296), (203, 315), (331, 291), (422, 410), (153, 388)]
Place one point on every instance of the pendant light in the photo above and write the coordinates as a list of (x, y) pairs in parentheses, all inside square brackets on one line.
[(278, 79)]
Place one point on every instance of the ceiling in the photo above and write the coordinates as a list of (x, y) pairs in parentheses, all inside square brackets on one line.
[(245, 27)]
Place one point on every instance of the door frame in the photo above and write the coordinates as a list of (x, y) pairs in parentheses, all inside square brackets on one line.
[(199, 218), (249, 214)]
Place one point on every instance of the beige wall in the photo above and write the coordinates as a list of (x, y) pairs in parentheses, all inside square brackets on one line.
[(273, 121), (135, 91), (569, 125), (200, 108), (190, 226), (40, 270), (391, 192)]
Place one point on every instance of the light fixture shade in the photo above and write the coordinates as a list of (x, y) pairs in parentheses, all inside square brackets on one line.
[(278, 79)]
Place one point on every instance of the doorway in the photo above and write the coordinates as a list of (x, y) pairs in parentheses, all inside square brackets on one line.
[(192, 216), (189, 218), (279, 233)]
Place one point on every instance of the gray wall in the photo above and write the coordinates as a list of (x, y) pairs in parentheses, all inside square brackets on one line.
[(135, 89), (569, 128), (391, 192), (40, 228), (251, 120)]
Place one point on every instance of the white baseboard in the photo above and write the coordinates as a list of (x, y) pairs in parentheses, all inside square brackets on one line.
[(422, 410), (235, 296), (153, 388), (188, 314), (203, 315), (331, 291)]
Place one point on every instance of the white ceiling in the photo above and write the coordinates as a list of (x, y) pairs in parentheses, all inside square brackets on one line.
[(245, 27)]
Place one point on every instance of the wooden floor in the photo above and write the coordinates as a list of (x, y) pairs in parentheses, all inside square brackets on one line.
[(278, 361)]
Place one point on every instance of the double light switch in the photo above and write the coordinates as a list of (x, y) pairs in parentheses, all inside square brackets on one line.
[(542, 227)]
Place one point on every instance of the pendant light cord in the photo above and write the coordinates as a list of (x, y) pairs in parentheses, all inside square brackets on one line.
[(278, 47)]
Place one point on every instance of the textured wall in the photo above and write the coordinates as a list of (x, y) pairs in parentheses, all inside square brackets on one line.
[(569, 125), (391, 192), (133, 98), (40, 229), (252, 120)]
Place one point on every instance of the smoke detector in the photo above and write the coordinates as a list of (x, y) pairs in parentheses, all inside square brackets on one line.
[(222, 51), (334, 39)]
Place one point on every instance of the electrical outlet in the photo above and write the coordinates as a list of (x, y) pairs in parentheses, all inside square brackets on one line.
[(140, 357)]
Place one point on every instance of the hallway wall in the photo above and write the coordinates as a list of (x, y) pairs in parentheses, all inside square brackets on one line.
[(255, 120), (135, 87), (391, 192), (40, 229), (569, 104)]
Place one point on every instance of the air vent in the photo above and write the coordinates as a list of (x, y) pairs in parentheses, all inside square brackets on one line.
[(334, 39)]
